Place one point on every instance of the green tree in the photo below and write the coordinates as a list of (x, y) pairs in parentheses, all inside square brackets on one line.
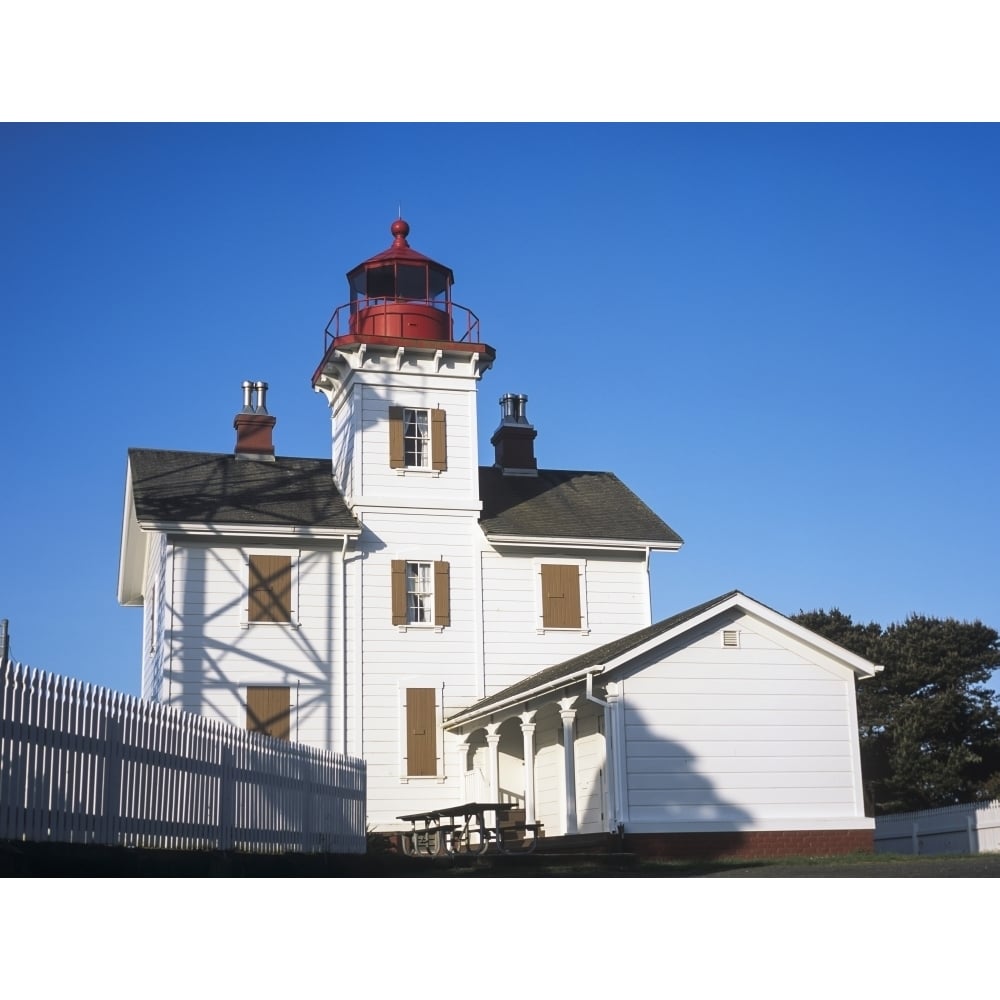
[(929, 727)]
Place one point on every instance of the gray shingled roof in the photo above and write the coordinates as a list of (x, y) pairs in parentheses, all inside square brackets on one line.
[(561, 504), (550, 677), (206, 488)]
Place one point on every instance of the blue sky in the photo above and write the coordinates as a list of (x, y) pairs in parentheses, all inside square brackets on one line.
[(783, 338)]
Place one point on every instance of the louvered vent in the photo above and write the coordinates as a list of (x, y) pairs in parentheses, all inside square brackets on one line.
[(730, 638)]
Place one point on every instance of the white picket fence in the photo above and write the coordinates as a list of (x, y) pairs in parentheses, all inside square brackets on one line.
[(971, 828), (82, 764)]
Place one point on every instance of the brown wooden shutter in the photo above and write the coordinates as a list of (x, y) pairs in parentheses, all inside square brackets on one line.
[(399, 616), (270, 589), (442, 593), (560, 596), (269, 711), (421, 732), (397, 452), (439, 441)]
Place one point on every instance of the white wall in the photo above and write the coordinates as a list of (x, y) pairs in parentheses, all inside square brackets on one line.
[(155, 603), (763, 736), (616, 601), (214, 654)]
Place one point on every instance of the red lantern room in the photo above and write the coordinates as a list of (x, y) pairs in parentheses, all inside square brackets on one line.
[(400, 294)]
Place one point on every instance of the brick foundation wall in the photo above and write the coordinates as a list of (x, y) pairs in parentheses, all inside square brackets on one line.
[(751, 844)]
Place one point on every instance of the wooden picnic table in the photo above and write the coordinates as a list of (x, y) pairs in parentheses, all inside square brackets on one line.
[(451, 828)]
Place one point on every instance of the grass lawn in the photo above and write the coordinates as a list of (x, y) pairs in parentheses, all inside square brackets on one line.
[(23, 859)]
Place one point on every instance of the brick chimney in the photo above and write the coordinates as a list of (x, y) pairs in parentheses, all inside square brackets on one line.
[(254, 425), (514, 439)]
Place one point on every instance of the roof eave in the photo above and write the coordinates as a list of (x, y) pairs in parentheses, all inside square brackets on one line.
[(555, 542), (218, 529), (859, 665), (464, 718), (132, 552)]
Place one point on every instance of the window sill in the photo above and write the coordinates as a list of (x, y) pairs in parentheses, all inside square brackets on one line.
[(551, 628), (248, 624), (420, 628), (437, 779), (417, 471)]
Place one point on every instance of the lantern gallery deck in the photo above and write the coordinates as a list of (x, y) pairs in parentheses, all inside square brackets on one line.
[(465, 829)]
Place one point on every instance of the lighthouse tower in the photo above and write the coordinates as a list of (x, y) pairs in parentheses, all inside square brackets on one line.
[(400, 373)]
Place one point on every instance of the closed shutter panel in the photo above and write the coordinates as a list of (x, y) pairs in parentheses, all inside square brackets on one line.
[(270, 589), (421, 732), (439, 441), (560, 596), (442, 593), (397, 452), (269, 711), (398, 592)]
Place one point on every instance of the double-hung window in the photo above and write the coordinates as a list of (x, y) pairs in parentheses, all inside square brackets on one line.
[(417, 439), (421, 593)]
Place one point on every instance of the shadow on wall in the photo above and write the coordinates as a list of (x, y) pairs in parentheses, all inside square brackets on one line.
[(664, 784)]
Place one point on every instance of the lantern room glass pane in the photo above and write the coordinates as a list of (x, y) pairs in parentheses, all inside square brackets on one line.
[(381, 282), (411, 281), (437, 284)]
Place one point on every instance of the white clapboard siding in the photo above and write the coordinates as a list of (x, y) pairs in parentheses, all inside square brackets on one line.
[(754, 733), (81, 764), (590, 765), (156, 592), (616, 599), (458, 482), (212, 653)]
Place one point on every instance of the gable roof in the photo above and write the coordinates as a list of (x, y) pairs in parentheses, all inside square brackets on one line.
[(621, 651), (208, 493), (172, 488), (558, 505)]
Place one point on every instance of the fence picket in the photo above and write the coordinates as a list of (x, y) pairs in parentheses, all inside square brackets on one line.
[(84, 764)]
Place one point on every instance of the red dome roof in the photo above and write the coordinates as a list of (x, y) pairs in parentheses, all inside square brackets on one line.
[(401, 251)]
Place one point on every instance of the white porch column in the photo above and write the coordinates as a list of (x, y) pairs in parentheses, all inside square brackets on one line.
[(493, 749), (617, 807), (528, 734), (461, 756), (568, 716)]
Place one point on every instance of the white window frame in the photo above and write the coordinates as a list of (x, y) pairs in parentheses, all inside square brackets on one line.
[(425, 596), (293, 616), (438, 685), (429, 562), (536, 567), (423, 445)]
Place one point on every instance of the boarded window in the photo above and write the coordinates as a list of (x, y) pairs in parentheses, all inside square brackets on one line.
[(421, 732), (417, 439), (560, 596), (270, 589), (269, 711), (421, 593)]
